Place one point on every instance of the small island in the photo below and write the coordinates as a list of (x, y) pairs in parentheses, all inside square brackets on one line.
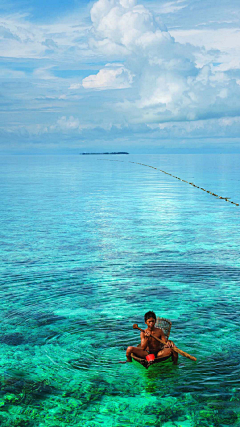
[(114, 152)]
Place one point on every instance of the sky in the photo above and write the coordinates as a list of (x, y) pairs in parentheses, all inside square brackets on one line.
[(147, 76)]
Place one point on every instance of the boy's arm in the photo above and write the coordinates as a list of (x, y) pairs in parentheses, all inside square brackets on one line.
[(144, 340), (162, 336), (169, 343)]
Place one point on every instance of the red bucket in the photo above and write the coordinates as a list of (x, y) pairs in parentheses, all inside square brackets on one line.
[(150, 357)]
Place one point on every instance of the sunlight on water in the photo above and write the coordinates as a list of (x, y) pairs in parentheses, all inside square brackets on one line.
[(88, 247)]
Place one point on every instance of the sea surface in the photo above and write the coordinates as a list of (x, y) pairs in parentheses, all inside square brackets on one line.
[(88, 245)]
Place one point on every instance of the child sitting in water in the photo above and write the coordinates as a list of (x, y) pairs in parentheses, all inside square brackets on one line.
[(151, 346)]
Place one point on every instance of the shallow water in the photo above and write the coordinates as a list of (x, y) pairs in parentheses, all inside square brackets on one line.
[(87, 247)]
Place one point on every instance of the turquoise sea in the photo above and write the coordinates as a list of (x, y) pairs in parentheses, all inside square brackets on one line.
[(88, 246)]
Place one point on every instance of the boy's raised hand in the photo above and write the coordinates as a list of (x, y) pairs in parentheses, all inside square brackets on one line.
[(169, 344)]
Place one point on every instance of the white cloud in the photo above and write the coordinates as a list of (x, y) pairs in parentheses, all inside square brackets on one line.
[(225, 40), (70, 129), (43, 73), (169, 83), (175, 81), (70, 123), (7, 73), (75, 86), (24, 39), (222, 39), (110, 77), (120, 29), (224, 127), (66, 125), (170, 7)]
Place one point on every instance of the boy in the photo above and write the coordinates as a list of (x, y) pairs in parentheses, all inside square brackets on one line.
[(151, 346)]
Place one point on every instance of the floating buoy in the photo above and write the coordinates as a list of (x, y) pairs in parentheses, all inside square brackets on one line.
[(183, 180)]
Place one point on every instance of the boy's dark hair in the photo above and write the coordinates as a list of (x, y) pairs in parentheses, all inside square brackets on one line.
[(150, 314)]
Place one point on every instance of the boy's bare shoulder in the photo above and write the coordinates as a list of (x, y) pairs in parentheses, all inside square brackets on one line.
[(159, 331)]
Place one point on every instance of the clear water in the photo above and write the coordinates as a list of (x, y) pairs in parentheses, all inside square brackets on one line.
[(87, 247)]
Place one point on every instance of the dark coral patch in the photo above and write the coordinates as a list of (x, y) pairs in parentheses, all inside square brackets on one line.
[(26, 390), (47, 318), (12, 339)]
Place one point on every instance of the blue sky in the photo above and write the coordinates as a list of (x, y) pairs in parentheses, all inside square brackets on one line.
[(147, 76)]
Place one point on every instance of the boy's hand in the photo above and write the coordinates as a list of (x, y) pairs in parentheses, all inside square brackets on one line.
[(169, 344), (147, 334)]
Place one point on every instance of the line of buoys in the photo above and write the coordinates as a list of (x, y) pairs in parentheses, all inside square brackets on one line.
[(183, 180)]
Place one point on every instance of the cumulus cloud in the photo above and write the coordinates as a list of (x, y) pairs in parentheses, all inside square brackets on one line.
[(225, 41), (147, 80), (70, 123), (111, 77), (169, 82), (121, 27), (223, 127), (70, 128)]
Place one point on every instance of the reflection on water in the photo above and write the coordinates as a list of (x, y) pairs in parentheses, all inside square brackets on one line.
[(88, 247)]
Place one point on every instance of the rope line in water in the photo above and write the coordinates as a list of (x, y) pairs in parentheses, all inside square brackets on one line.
[(183, 180)]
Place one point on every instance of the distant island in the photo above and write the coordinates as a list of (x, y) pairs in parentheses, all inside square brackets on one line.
[(114, 152)]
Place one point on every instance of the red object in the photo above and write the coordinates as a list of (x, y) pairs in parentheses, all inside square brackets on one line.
[(150, 357)]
